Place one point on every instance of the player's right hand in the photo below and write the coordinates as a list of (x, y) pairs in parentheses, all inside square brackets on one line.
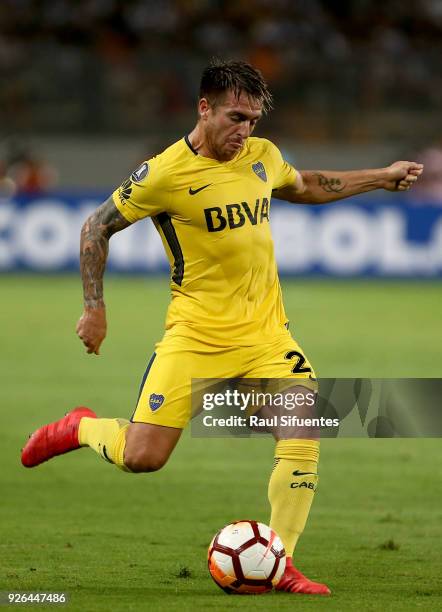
[(91, 328)]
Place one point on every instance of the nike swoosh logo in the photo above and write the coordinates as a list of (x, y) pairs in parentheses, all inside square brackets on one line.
[(298, 473), (106, 456), (194, 191)]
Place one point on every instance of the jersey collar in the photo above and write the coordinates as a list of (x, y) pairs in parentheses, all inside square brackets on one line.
[(189, 144), (195, 152)]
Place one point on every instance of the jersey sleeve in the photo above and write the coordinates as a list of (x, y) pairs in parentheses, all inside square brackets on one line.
[(144, 194), (283, 173)]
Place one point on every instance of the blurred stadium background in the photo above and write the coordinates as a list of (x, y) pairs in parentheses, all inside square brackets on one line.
[(89, 89)]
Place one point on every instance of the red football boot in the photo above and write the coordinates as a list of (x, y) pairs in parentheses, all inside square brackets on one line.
[(293, 581), (56, 438)]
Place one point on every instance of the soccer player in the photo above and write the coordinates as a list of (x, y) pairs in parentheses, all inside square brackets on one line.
[(209, 197)]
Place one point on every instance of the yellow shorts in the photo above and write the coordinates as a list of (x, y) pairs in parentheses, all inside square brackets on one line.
[(165, 392)]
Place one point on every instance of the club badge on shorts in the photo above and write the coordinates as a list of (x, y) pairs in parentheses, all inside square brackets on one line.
[(260, 171), (155, 401)]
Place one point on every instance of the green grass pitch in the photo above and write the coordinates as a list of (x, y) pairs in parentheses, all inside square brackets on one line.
[(118, 541)]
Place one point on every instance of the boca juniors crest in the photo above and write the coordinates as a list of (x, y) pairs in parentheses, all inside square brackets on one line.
[(155, 401), (260, 171)]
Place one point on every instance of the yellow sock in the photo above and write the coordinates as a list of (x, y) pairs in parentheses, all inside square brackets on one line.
[(107, 437), (291, 488)]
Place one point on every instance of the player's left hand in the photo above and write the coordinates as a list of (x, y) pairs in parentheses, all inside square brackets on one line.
[(402, 175)]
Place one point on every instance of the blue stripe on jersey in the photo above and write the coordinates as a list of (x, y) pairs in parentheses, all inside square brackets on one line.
[(165, 222)]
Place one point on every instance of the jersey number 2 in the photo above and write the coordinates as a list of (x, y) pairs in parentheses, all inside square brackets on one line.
[(298, 368)]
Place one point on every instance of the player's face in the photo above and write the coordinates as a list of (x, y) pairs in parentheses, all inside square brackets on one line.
[(229, 123)]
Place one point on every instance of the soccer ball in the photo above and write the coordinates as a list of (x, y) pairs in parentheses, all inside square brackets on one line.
[(246, 557)]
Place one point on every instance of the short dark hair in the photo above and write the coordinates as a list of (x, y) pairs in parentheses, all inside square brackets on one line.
[(221, 76)]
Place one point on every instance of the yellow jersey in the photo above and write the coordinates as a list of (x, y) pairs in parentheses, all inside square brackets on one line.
[(213, 219)]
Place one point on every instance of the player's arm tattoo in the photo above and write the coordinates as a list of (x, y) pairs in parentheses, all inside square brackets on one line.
[(329, 184), (323, 186), (94, 248)]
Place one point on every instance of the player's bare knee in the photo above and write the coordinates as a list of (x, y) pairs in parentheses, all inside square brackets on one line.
[(148, 447), (142, 461)]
